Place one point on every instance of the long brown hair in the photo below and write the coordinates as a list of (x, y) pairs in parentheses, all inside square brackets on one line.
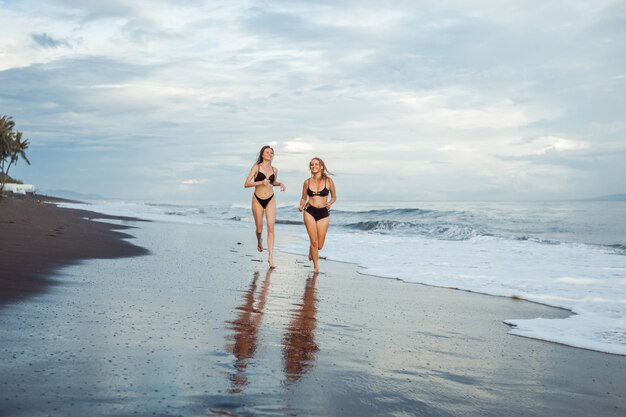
[(325, 172), (260, 158)]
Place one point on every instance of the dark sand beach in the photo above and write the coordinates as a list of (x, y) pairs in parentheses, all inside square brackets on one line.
[(38, 238), (201, 327)]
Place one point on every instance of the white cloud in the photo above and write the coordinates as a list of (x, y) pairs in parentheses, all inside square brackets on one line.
[(545, 144), (192, 181), (445, 93), (455, 147), (298, 145)]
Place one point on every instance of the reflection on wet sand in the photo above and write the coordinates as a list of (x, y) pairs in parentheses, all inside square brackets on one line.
[(299, 347), (298, 344), (243, 341)]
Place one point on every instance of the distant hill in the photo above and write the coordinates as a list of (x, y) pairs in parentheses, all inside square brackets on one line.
[(611, 197), (70, 195)]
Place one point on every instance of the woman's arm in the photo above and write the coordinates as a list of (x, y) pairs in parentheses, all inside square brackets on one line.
[(276, 183), (250, 178), (304, 196), (333, 194)]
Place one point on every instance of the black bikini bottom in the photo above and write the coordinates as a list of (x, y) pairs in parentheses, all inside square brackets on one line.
[(263, 201), (318, 213)]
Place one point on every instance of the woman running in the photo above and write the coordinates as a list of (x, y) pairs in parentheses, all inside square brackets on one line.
[(316, 210), (262, 177)]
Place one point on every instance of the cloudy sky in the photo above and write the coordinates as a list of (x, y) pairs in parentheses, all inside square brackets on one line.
[(409, 100)]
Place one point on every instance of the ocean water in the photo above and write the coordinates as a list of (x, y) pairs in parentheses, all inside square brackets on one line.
[(568, 254)]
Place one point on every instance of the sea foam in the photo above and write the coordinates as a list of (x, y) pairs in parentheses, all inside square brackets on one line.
[(565, 254)]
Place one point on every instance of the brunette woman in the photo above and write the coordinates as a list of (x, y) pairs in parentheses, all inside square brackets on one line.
[(263, 177)]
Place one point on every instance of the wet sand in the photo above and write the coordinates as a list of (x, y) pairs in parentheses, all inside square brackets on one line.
[(200, 326), (38, 238)]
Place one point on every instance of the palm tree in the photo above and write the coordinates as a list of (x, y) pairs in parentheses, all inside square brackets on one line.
[(6, 134), (12, 147), (18, 149)]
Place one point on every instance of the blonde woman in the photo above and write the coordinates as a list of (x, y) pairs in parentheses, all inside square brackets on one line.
[(263, 177), (315, 206)]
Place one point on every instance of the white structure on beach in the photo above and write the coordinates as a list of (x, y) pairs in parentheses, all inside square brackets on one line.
[(19, 188)]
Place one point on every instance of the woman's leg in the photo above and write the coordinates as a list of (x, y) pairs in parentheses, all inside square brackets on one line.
[(257, 213), (311, 229), (322, 228), (270, 217)]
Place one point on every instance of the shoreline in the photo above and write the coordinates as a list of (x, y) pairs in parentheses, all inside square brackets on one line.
[(358, 269), (39, 238), (201, 326), (511, 326), (38, 281)]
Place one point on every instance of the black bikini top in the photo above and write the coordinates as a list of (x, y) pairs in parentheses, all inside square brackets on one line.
[(322, 193), (261, 176)]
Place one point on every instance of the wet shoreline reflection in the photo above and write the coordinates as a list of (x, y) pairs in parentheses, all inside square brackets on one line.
[(299, 348), (243, 342)]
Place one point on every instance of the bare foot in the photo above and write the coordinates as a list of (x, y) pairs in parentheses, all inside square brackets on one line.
[(259, 245), (271, 262)]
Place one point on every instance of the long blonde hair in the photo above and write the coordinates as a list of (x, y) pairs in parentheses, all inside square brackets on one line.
[(325, 172)]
